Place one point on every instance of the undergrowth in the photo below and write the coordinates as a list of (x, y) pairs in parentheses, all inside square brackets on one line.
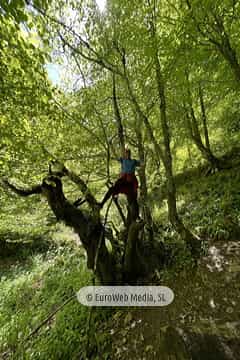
[(211, 205), (33, 290), (36, 280)]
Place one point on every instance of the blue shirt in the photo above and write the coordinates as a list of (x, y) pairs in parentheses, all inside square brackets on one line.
[(128, 165)]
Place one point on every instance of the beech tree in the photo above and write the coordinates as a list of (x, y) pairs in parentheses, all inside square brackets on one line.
[(129, 67)]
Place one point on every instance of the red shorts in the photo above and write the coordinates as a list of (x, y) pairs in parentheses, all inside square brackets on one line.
[(126, 184)]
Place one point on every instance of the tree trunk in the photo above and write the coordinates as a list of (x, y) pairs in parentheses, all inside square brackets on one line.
[(89, 228), (204, 118), (196, 137), (133, 207), (165, 157), (190, 239), (194, 132), (118, 117), (226, 49), (133, 266), (147, 216)]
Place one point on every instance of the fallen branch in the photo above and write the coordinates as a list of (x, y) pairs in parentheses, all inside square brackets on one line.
[(49, 317), (44, 322)]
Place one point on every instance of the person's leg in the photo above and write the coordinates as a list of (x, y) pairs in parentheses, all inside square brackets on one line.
[(133, 203), (113, 190), (107, 195)]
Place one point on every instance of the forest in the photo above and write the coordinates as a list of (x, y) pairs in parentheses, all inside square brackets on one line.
[(88, 88)]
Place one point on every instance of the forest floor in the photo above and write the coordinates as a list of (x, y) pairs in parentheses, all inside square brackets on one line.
[(201, 323)]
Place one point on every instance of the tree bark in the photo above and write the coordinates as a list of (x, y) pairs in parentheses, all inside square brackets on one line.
[(133, 266), (226, 49), (165, 157), (147, 216), (196, 137), (118, 117), (106, 265), (133, 207), (89, 228), (190, 239), (204, 118)]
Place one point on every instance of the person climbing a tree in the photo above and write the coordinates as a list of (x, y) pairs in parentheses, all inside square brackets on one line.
[(127, 183)]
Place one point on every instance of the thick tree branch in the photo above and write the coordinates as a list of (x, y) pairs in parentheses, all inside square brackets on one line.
[(23, 192), (83, 187), (204, 117), (118, 116)]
